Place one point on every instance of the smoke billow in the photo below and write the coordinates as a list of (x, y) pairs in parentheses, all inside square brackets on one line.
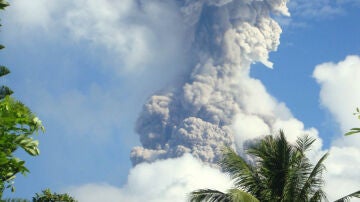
[(198, 116)]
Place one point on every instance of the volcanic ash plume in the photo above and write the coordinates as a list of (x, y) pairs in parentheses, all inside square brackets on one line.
[(197, 117)]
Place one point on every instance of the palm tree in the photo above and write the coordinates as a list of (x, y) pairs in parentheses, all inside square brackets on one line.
[(214, 195), (354, 130), (347, 198), (280, 172)]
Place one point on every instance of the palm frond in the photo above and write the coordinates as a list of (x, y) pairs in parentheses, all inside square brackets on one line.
[(273, 156), (241, 196), (209, 195), (318, 195), (243, 174), (304, 143), (314, 180), (294, 180), (347, 198)]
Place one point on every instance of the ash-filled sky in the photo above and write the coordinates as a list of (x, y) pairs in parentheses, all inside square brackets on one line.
[(164, 84)]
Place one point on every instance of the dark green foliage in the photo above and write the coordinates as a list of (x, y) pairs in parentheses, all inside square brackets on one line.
[(4, 71), (214, 195), (3, 4), (209, 195), (280, 172), (47, 196), (4, 90)]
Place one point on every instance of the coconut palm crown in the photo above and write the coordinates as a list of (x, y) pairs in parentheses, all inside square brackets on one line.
[(279, 172)]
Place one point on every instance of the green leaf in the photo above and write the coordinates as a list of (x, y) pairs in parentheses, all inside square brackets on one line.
[(351, 132), (5, 91), (17, 127), (4, 71), (238, 195), (3, 4)]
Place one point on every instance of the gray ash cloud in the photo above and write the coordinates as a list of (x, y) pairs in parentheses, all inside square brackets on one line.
[(197, 116)]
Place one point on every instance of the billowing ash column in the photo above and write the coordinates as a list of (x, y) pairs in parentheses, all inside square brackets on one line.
[(196, 117)]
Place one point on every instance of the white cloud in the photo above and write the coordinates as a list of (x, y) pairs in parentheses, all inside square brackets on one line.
[(163, 180), (249, 126), (137, 36), (144, 43), (295, 128), (340, 94), (96, 192), (122, 27), (26, 10), (340, 89), (342, 176)]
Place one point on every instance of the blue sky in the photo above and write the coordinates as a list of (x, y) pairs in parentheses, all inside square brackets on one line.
[(88, 80), (321, 39)]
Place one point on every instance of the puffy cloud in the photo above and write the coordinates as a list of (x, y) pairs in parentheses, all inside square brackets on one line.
[(340, 95), (339, 89), (96, 192), (341, 177), (127, 30), (145, 42), (164, 180), (249, 126), (28, 20)]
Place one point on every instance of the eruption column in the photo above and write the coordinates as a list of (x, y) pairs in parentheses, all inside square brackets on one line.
[(197, 117)]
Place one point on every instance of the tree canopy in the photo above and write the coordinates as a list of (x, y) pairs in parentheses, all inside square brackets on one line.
[(48, 196)]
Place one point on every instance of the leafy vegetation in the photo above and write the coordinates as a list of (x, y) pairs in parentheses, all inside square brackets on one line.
[(280, 172), (47, 196), (4, 90), (17, 125)]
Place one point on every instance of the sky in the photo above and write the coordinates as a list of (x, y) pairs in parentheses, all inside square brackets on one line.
[(107, 76)]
